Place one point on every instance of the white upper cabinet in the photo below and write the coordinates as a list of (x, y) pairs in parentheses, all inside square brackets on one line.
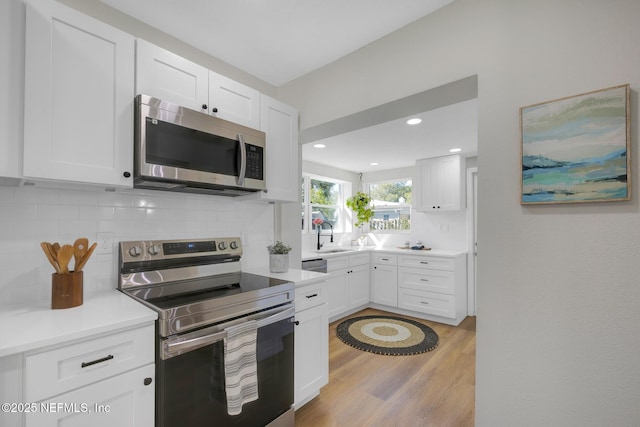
[(233, 101), (170, 77), (78, 98), (440, 184), (167, 76), (11, 84), (280, 123)]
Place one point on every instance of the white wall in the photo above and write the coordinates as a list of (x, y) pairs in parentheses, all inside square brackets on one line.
[(558, 341), (32, 215)]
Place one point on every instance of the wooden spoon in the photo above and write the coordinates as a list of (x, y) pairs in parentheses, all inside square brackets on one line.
[(48, 251), (64, 256), (80, 247), (56, 248), (86, 257)]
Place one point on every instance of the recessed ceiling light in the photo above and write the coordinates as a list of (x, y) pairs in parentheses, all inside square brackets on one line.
[(455, 150), (414, 121), (374, 163), (319, 145)]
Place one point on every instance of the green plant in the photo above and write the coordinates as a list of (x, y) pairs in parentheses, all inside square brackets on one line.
[(359, 203), (279, 248)]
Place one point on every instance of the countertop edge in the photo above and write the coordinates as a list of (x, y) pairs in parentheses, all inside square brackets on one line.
[(346, 250)]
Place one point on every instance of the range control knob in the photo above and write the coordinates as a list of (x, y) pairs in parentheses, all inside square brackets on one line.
[(154, 250), (222, 246), (135, 251), (233, 245)]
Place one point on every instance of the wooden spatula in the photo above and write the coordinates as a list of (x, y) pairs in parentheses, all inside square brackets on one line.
[(48, 251), (64, 256), (80, 247), (86, 257)]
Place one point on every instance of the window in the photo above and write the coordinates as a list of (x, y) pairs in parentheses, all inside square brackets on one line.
[(392, 205), (322, 198)]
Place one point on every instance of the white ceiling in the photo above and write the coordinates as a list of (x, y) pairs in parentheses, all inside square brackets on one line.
[(395, 144), (277, 40)]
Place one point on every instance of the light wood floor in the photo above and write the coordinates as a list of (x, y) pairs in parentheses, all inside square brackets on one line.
[(436, 388)]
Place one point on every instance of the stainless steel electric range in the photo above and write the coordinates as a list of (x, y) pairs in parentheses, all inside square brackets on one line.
[(199, 292)]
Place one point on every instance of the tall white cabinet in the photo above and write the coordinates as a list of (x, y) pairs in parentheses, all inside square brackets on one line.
[(78, 123)]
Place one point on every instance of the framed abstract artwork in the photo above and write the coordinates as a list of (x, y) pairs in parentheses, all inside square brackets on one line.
[(576, 149)]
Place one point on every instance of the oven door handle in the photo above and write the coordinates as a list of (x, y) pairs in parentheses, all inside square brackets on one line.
[(175, 348)]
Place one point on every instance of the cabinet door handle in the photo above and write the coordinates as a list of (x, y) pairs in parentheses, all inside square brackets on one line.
[(312, 296), (424, 302), (424, 262), (94, 362), (384, 259), (297, 322), (424, 280), (147, 381)]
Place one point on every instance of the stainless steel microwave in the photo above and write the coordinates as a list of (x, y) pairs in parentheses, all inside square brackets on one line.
[(178, 149)]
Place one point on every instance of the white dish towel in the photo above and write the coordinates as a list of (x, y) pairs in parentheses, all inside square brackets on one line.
[(240, 366)]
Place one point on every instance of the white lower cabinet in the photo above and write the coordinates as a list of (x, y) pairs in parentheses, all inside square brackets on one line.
[(348, 285), (311, 365), (100, 382), (125, 400), (434, 286), (384, 280)]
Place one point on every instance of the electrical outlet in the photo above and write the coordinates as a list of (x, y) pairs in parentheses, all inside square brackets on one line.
[(105, 243)]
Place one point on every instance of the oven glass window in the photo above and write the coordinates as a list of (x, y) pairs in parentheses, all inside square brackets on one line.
[(191, 387)]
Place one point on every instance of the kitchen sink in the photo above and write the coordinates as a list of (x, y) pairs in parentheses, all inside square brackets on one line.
[(332, 251)]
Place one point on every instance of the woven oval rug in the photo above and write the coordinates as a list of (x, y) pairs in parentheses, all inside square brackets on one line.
[(388, 335)]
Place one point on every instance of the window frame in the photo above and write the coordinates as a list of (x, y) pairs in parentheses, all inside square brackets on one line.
[(307, 207), (409, 206)]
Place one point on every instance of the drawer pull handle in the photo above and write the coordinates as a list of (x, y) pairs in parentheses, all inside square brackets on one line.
[(424, 302), (93, 362), (424, 262), (384, 259), (425, 280), (312, 296)]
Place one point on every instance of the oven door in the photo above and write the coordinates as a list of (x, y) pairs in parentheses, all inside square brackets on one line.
[(190, 386)]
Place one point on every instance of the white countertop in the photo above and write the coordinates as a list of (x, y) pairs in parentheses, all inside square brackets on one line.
[(31, 327), (299, 277), (350, 250)]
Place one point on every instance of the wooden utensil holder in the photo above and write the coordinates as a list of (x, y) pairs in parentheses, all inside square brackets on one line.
[(66, 290)]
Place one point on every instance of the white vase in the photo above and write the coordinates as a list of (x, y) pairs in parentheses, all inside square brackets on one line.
[(278, 263)]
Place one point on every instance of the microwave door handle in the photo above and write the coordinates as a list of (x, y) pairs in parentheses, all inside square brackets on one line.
[(243, 160)]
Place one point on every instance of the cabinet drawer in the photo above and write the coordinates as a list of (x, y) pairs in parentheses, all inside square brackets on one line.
[(427, 280), (427, 302), (56, 371), (439, 263), (385, 259), (310, 296), (359, 259), (337, 263)]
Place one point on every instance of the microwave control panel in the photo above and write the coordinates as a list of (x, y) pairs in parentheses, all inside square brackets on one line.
[(255, 162)]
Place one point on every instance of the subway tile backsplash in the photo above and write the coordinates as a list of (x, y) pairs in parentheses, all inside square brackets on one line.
[(30, 215)]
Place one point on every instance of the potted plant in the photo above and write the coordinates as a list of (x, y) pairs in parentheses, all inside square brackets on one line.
[(278, 257), (360, 204)]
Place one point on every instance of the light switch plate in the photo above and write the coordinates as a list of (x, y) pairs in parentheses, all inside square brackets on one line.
[(105, 243)]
